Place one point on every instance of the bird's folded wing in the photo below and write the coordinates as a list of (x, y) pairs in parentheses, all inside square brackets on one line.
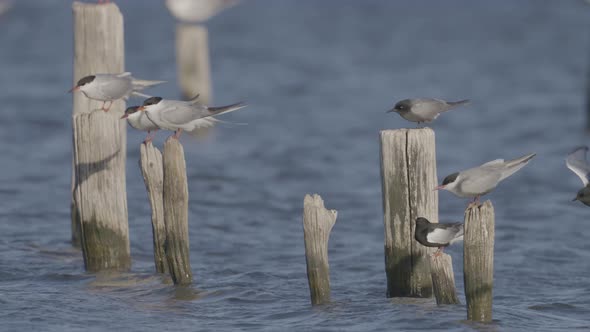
[(141, 95), (496, 162), (576, 161), (182, 114), (446, 234)]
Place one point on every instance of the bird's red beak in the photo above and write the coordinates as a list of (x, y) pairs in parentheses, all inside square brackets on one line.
[(74, 89), (125, 116), (439, 188), (141, 108)]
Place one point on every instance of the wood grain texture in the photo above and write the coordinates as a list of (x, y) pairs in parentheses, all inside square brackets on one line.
[(408, 177), (99, 191), (192, 60), (478, 261), (150, 163), (317, 225), (443, 279), (176, 213), (98, 48)]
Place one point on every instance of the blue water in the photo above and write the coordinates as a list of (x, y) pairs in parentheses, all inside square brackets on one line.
[(318, 76)]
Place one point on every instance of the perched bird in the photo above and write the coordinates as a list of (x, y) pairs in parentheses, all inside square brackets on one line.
[(180, 115), (576, 161), (437, 235), (138, 120), (111, 87), (197, 11), (424, 109), (480, 180)]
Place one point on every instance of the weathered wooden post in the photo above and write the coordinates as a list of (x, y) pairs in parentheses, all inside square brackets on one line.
[(443, 279), (408, 177), (99, 207), (192, 59), (317, 225), (478, 261), (153, 176), (176, 213)]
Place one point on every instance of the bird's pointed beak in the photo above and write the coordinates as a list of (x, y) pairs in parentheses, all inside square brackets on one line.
[(439, 188), (125, 116), (74, 89), (391, 110), (575, 199)]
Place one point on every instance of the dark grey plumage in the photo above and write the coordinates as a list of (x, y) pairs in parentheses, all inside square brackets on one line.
[(437, 235)]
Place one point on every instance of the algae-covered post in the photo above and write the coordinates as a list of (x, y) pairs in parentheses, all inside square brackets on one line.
[(443, 279), (408, 177), (192, 59), (317, 224), (150, 164), (478, 261), (99, 198), (176, 212)]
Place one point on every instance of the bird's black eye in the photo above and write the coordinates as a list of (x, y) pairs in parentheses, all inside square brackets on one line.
[(152, 101), (450, 179), (85, 80)]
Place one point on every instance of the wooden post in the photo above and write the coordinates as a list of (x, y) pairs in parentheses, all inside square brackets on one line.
[(443, 279), (99, 207), (153, 177), (408, 177), (317, 224), (192, 58), (478, 261), (176, 213)]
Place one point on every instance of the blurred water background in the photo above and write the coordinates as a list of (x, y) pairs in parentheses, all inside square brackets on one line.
[(318, 76)]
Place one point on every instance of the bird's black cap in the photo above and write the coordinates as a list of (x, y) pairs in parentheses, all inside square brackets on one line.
[(403, 105), (152, 101), (131, 109), (450, 179), (86, 80)]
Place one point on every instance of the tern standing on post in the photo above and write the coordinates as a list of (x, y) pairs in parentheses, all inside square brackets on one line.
[(478, 181), (177, 115), (424, 109), (111, 87)]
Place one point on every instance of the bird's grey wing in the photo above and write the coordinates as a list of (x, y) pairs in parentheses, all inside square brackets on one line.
[(576, 161), (445, 234), (114, 87), (429, 108), (512, 166), (141, 95), (183, 113), (480, 180)]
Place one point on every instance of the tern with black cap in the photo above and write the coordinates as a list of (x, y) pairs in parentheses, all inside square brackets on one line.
[(138, 120), (478, 181), (111, 87), (177, 115), (437, 235), (424, 109)]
